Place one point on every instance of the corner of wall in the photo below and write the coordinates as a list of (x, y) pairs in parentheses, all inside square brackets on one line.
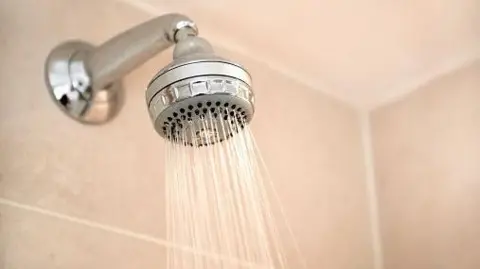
[(371, 189)]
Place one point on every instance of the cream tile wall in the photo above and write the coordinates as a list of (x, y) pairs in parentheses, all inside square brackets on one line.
[(427, 156), (74, 196), (35, 240)]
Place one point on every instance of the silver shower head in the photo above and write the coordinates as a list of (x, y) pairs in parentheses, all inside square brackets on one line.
[(202, 92), (195, 94)]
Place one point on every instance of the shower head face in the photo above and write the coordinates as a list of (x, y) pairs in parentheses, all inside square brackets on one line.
[(200, 102)]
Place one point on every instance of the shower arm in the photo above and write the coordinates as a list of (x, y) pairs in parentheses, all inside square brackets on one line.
[(121, 54), (84, 80)]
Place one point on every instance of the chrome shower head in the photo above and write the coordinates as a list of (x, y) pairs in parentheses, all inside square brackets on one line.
[(197, 94), (204, 97)]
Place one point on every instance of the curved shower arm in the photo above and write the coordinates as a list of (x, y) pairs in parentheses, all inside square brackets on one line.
[(85, 80), (121, 54)]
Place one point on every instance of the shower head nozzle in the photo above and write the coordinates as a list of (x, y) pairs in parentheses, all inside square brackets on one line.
[(204, 97)]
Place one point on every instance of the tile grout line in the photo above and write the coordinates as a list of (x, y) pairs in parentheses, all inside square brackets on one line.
[(84, 222), (371, 190), (410, 86), (119, 231)]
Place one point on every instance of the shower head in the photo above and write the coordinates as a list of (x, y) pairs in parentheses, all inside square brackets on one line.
[(198, 99), (203, 97)]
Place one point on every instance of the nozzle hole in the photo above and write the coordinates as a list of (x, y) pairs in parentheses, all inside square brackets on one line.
[(212, 109), (169, 119), (205, 110), (209, 103), (218, 103), (190, 107), (175, 114), (182, 110), (189, 114), (226, 104), (197, 112), (199, 105), (234, 106)]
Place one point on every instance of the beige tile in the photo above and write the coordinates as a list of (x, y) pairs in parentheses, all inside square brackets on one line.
[(29, 240), (427, 151)]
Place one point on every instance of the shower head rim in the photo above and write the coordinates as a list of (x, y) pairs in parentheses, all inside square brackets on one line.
[(185, 61), (171, 95), (197, 68)]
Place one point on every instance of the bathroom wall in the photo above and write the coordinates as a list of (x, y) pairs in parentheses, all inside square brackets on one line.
[(75, 196), (313, 148), (427, 155)]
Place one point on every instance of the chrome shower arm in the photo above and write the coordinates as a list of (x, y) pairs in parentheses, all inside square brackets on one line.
[(121, 54), (85, 80)]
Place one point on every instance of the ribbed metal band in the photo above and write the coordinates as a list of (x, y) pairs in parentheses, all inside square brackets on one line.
[(195, 69)]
